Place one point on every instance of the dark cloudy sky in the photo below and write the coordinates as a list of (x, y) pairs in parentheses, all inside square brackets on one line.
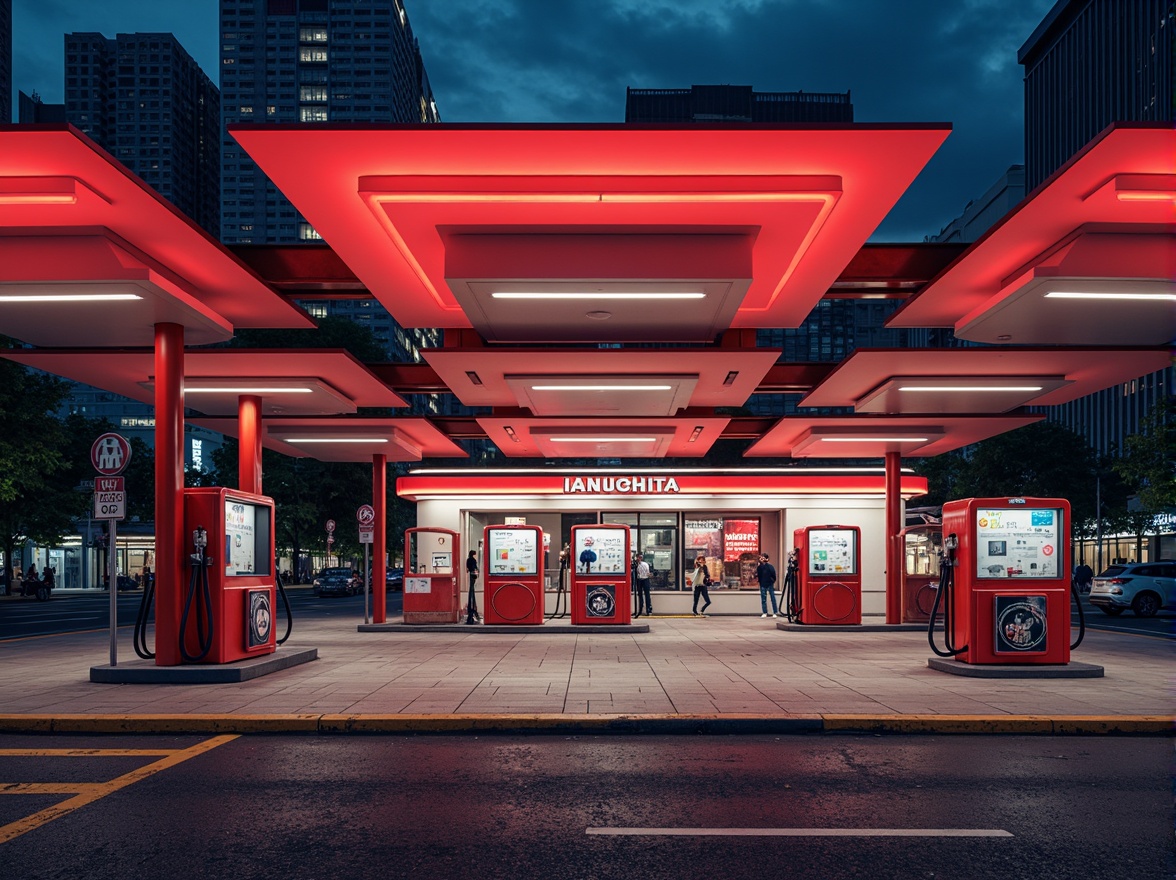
[(571, 60)]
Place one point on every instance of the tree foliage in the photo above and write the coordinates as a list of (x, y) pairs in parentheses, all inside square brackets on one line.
[(1148, 463)]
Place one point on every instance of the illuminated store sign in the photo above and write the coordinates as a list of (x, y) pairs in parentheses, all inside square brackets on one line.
[(620, 485)]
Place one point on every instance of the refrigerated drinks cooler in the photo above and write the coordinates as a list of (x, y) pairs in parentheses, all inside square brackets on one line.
[(921, 546), (1011, 579), (513, 575), (830, 574)]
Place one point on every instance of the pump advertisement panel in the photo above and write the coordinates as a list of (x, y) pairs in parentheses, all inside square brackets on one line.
[(1018, 543), (246, 539), (513, 551), (600, 551), (832, 551)]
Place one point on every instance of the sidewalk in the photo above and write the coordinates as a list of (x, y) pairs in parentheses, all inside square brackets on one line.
[(719, 674)]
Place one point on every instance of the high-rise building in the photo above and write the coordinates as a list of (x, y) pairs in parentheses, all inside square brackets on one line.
[(308, 61), (1088, 64), (144, 100), (725, 103), (5, 61)]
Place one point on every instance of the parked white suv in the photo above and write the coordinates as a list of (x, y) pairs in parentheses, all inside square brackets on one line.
[(1144, 587)]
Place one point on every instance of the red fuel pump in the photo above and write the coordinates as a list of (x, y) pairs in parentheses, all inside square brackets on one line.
[(228, 608), (602, 584), (920, 574), (513, 586), (830, 580), (1007, 572), (431, 583)]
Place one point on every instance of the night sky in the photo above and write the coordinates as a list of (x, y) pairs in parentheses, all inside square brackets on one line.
[(571, 61)]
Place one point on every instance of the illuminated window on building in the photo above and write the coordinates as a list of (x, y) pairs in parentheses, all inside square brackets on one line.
[(313, 93), (311, 55), (312, 35), (306, 232), (312, 114)]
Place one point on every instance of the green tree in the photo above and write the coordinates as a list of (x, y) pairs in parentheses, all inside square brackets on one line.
[(32, 456), (1148, 466)]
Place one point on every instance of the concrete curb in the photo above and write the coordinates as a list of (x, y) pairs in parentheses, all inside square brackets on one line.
[(324, 725)]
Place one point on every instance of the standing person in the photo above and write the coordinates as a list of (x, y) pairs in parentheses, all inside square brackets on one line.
[(1083, 576), (472, 571), (643, 594), (765, 573), (700, 580)]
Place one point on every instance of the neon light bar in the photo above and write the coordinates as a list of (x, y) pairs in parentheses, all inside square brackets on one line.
[(1159, 297), (874, 439), (333, 439), (248, 390), (598, 294), (996, 388), (601, 387), (66, 297), (602, 439)]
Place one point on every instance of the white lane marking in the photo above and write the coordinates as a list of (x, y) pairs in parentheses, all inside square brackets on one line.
[(802, 832)]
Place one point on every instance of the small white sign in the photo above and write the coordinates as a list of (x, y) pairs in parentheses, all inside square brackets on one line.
[(417, 585), (366, 536), (110, 505)]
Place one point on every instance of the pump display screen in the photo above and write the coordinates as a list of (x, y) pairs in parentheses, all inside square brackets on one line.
[(514, 551), (1018, 542), (247, 539), (832, 551), (599, 551)]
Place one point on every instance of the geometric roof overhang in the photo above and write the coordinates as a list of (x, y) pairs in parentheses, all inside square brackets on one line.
[(1102, 227), (517, 209), (75, 222), (977, 380), (304, 382), (601, 382), (870, 436), (348, 439), (525, 437)]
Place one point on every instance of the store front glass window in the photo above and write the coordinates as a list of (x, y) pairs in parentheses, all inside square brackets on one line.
[(731, 546)]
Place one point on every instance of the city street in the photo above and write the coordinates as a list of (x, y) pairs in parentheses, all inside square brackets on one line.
[(818, 806)]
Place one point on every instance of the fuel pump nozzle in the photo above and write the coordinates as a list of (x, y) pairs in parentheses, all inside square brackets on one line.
[(200, 542), (944, 593), (200, 596)]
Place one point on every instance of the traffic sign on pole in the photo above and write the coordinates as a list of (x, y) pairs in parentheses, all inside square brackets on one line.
[(110, 454), (366, 515), (330, 526)]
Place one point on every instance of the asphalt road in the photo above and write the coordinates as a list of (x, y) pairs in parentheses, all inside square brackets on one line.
[(820, 806), (75, 612)]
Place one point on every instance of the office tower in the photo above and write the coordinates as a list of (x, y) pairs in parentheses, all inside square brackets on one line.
[(309, 61), (5, 61), (1088, 64), (30, 108), (147, 102), (735, 104)]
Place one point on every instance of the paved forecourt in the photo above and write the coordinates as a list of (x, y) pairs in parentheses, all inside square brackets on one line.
[(718, 674)]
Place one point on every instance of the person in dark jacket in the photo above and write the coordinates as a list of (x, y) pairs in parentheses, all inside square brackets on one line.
[(765, 573)]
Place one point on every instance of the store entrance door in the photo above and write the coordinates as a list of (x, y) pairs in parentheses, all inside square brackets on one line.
[(655, 537)]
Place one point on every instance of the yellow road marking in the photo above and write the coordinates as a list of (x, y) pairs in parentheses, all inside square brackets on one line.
[(82, 753), (87, 793), (48, 787)]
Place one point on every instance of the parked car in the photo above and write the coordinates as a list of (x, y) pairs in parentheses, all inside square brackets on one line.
[(337, 582), (1144, 587), (394, 580)]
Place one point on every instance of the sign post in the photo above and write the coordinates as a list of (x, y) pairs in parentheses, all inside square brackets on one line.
[(366, 517), (110, 455), (330, 539)]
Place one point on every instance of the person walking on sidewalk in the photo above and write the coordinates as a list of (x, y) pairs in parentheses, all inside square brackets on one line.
[(765, 573), (700, 580), (643, 598)]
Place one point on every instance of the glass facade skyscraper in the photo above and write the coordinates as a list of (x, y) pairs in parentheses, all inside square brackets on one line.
[(308, 61)]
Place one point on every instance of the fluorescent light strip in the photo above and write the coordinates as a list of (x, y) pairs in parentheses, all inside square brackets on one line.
[(333, 439), (31, 198), (996, 388), (601, 387), (599, 294), (601, 439), (873, 439), (244, 390), (1158, 297), (66, 297)]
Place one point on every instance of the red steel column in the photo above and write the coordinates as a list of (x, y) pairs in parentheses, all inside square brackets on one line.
[(249, 443), (379, 539), (170, 552), (894, 552)]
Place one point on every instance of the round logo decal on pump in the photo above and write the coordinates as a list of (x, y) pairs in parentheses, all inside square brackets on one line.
[(261, 619), (601, 602), (1020, 624)]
